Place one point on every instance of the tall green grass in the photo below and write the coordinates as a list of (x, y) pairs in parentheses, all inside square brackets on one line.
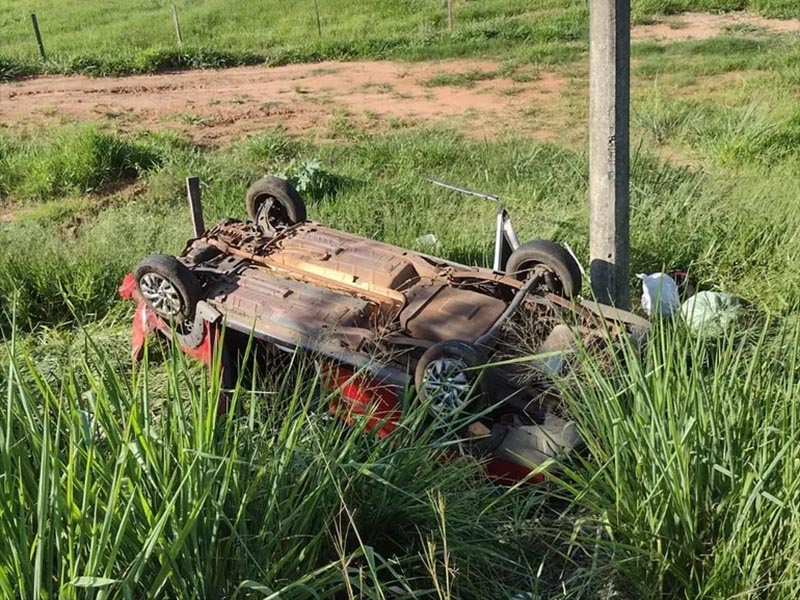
[(77, 159), (690, 488), (140, 38), (717, 55), (57, 279), (129, 484), (126, 483), (785, 9)]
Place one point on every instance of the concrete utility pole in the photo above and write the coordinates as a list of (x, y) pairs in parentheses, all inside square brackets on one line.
[(609, 151)]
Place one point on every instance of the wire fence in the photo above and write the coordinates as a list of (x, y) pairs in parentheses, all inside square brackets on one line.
[(174, 15)]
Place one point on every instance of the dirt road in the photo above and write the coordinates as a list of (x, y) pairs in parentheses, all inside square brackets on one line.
[(217, 106), (479, 97)]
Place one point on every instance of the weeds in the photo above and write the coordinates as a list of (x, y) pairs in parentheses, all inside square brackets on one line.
[(692, 485), (664, 120), (11, 69), (715, 56), (466, 79), (55, 280), (77, 160), (785, 9), (114, 489), (310, 179), (754, 137)]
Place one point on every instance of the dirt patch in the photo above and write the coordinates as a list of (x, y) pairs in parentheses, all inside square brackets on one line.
[(702, 26), (9, 214), (79, 207), (216, 106)]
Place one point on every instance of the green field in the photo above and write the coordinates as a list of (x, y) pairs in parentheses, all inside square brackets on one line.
[(120, 481), (116, 37)]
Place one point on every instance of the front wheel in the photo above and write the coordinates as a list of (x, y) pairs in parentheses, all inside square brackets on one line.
[(168, 287), (450, 377), (551, 263)]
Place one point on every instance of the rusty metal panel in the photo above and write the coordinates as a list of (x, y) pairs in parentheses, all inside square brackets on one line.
[(440, 312), (276, 303), (365, 261)]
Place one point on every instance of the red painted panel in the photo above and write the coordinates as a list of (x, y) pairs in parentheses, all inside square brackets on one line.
[(361, 396)]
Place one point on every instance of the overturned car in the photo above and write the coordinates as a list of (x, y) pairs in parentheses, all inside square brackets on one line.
[(384, 320)]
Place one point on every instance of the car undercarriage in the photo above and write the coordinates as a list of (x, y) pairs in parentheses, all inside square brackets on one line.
[(397, 319)]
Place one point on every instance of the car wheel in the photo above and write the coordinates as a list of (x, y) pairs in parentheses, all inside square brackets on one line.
[(553, 265), (168, 287), (448, 376), (272, 203)]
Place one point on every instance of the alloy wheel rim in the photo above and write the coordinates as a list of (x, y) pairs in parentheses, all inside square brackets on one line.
[(447, 384), (161, 294)]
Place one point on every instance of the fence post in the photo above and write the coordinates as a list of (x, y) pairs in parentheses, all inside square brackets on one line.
[(38, 35), (177, 25), (195, 205), (450, 15), (319, 24)]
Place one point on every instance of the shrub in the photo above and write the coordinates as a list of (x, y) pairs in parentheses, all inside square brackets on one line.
[(78, 160), (310, 179), (693, 485)]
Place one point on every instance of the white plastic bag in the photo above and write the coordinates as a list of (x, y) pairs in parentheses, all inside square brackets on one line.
[(659, 294)]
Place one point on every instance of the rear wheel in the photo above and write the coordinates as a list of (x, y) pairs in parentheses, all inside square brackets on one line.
[(551, 263), (273, 203), (168, 287), (448, 375)]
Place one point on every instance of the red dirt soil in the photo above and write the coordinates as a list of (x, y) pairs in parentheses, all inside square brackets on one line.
[(215, 106), (701, 26)]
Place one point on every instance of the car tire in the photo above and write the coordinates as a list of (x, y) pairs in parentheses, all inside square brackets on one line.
[(288, 207), (558, 270), (168, 287), (447, 376)]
